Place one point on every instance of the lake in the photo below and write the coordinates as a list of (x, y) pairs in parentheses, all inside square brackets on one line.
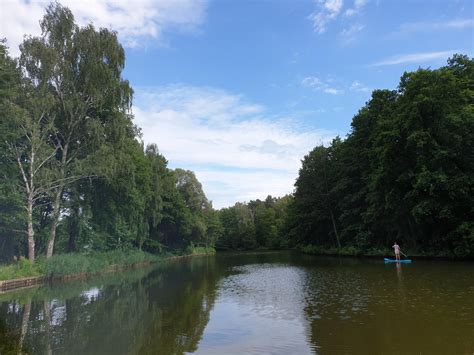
[(250, 303)]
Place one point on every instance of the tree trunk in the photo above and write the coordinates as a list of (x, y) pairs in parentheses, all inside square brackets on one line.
[(328, 202), (73, 234), (30, 231), (57, 204), (334, 227), (54, 223)]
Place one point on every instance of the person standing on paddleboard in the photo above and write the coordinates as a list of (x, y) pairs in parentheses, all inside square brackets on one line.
[(396, 248)]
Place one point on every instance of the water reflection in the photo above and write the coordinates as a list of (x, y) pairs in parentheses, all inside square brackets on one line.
[(271, 303), (399, 272), (258, 311), (162, 312)]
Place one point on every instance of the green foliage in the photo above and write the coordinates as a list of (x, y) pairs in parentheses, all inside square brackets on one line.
[(257, 224), (404, 173), (194, 250), (22, 268), (99, 189), (70, 264)]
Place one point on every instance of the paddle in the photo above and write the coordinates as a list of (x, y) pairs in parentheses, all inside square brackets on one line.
[(404, 254)]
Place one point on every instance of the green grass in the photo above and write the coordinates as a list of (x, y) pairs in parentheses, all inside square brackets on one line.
[(202, 250), (91, 263), (22, 268), (70, 264)]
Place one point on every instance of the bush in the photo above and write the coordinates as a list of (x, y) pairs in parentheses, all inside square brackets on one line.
[(194, 250)]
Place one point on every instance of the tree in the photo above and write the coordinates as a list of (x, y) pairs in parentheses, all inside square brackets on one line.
[(28, 121), (11, 212), (81, 69)]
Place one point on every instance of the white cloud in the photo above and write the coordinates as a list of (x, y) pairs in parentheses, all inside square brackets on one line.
[(237, 150), (415, 58), (320, 85), (225, 188), (437, 26), (333, 86), (360, 3), (358, 6), (333, 6), (350, 12), (328, 11), (136, 21), (333, 91), (312, 81), (352, 30), (359, 87)]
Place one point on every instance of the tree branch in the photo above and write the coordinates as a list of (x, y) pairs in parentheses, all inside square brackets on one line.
[(44, 161)]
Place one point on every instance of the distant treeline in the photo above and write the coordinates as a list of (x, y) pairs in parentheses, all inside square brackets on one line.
[(256, 224), (74, 173)]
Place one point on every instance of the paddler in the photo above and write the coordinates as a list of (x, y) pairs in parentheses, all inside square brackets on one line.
[(396, 248)]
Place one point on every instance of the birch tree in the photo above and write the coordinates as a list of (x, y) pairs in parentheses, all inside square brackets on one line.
[(81, 67)]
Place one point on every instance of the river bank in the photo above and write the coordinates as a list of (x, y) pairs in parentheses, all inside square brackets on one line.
[(78, 266), (352, 251)]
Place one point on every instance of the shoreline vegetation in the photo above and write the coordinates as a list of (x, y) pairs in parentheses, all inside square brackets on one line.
[(64, 267), (351, 251)]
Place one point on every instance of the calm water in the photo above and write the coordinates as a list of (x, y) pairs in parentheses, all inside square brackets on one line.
[(271, 303)]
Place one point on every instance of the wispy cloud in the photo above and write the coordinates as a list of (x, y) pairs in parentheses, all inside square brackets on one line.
[(455, 24), (333, 91), (137, 22), (357, 86), (350, 31), (331, 10), (356, 9), (328, 11), (238, 150), (415, 58), (326, 86), (333, 86)]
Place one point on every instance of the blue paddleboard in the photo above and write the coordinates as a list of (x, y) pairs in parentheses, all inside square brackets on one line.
[(396, 261)]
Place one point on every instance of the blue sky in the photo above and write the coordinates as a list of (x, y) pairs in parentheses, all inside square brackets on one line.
[(240, 91)]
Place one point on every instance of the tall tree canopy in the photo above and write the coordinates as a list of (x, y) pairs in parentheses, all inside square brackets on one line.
[(405, 172), (75, 166)]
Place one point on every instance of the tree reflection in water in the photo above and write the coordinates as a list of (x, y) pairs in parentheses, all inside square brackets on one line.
[(164, 310)]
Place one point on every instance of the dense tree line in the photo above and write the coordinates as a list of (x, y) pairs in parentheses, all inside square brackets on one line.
[(74, 173), (256, 224), (405, 172)]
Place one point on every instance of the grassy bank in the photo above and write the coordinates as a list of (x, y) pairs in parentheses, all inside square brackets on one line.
[(71, 264), (200, 250)]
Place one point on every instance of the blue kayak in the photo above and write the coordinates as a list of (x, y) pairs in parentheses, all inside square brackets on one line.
[(396, 261)]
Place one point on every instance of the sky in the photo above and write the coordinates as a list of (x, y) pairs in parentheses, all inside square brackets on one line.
[(239, 91)]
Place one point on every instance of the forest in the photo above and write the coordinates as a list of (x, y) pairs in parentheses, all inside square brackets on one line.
[(404, 173), (76, 176)]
